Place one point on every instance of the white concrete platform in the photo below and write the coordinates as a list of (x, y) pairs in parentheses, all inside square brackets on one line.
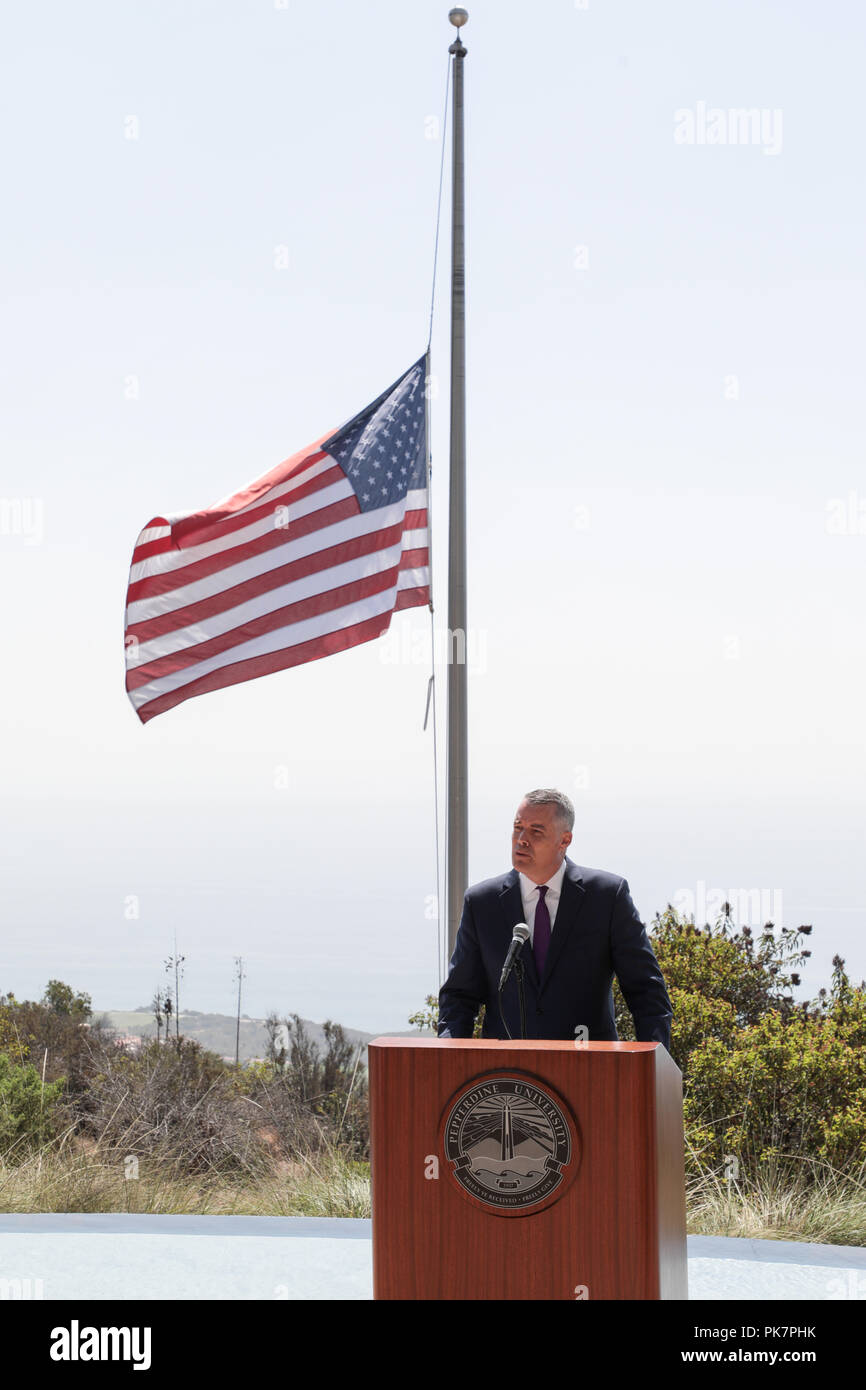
[(272, 1257), (726, 1267)]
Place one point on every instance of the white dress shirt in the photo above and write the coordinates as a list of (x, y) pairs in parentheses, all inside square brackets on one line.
[(529, 894)]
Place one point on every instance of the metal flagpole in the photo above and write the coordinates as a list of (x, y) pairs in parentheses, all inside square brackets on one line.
[(457, 861)]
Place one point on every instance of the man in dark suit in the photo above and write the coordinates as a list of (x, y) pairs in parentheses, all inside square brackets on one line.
[(584, 929)]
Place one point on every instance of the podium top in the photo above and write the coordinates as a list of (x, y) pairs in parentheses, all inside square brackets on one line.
[(522, 1044)]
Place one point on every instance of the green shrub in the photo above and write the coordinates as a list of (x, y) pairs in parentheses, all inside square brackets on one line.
[(764, 1078), (26, 1105), (55, 1033), (780, 1087)]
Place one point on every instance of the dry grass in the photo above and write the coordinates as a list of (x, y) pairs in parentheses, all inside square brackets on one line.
[(791, 1198), (90, 1179), (173, 1130)]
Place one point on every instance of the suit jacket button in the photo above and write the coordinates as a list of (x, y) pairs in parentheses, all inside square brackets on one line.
[(539, 1011)]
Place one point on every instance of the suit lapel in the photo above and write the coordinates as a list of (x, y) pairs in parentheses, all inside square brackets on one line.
[(570, 902), (512, 909)]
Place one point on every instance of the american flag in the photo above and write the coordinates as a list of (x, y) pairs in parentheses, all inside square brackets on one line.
[(314, 557)]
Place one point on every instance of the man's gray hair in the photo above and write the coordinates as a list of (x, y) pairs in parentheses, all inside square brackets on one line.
[(549, 796)]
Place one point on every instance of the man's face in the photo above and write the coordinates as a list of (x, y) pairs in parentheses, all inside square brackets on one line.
[(538, 841)]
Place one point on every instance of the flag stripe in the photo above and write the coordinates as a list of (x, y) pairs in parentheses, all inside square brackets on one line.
[(413, 597), (152, 541)]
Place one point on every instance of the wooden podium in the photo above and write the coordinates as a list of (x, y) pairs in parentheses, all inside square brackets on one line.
[(526, 1170)]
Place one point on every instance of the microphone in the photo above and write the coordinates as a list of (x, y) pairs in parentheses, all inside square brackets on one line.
[(519, 937)]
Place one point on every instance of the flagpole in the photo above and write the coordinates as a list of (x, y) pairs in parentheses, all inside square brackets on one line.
[(457, 861)]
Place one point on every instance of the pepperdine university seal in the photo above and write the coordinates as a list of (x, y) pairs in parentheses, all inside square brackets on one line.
[(511, 1144)]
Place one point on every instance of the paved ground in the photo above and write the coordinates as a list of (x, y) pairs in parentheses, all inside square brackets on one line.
[(273, 1257)]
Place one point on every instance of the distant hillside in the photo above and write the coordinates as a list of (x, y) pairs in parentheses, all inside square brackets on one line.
[(217, 1031)]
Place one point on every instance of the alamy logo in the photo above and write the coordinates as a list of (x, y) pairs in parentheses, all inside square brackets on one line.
[(76, 1343), (21, 1288), (747, 907), (734, 125)]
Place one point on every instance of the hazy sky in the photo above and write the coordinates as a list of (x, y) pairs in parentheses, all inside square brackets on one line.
[(217, 244)]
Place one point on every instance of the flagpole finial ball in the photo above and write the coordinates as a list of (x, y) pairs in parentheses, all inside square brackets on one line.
[(458, 17)]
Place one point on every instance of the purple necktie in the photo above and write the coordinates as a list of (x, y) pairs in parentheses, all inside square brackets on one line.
[(541, 932)]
